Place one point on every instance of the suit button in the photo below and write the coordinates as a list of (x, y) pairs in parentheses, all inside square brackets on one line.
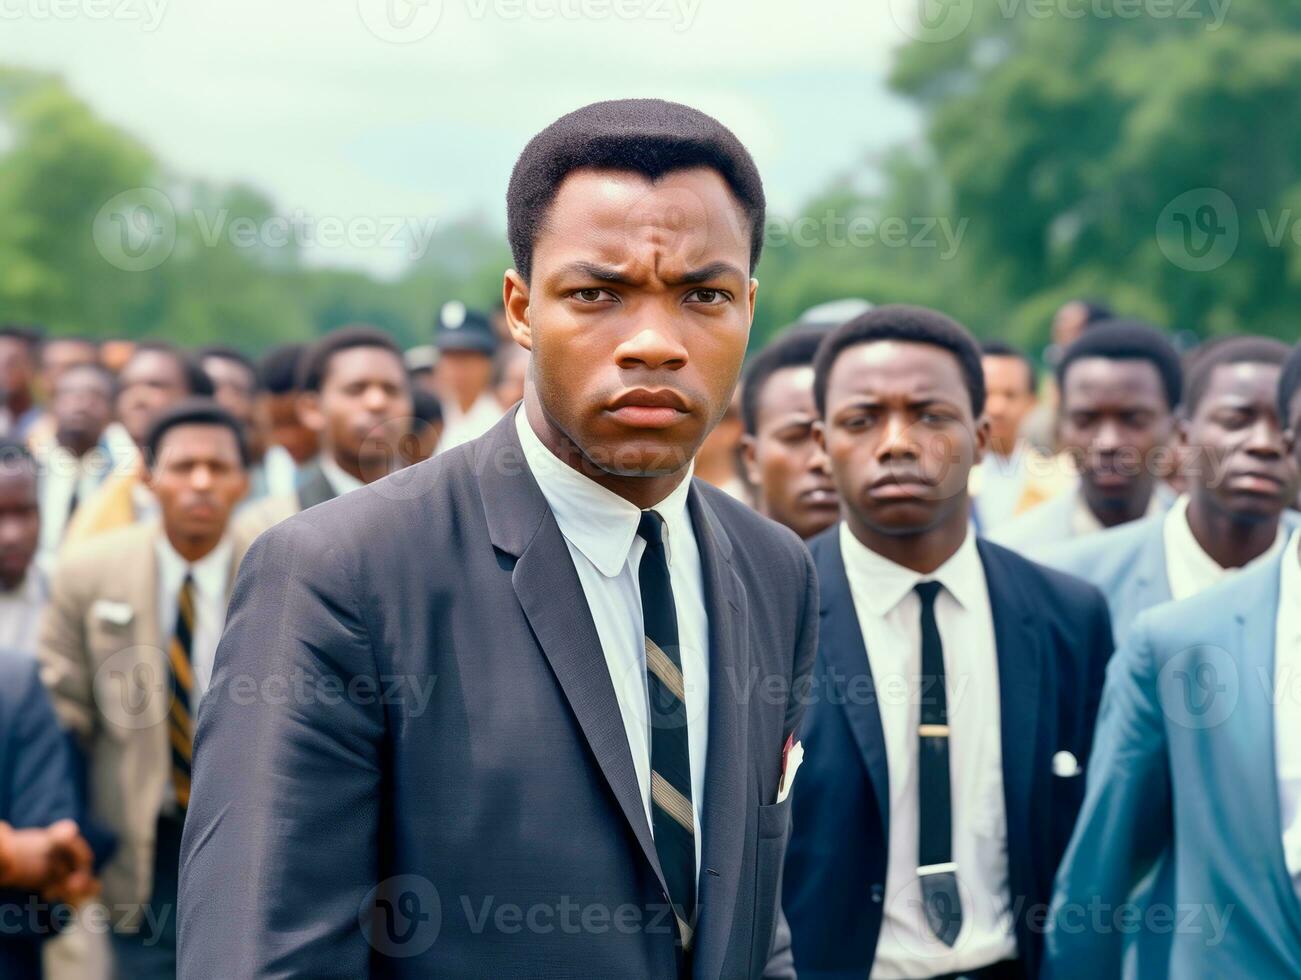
[(878, 894)]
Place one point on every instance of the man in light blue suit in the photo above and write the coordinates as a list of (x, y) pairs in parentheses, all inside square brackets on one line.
[(1240, 482), (1198, 754), (1120, 384)]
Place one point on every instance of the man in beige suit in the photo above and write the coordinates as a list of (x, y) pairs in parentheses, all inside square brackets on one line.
[(127, 651)]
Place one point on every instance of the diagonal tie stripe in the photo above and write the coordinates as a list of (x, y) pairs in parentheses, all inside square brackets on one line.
[(668, 799), (665, 670), (180, 723)]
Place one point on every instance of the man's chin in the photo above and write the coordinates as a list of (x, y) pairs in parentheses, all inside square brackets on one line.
[(642, 457)]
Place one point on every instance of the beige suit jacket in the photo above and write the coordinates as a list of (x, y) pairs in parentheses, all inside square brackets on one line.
[(105, 664)]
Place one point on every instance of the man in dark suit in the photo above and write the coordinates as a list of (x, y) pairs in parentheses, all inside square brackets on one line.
[(546, 680), (955, 688)]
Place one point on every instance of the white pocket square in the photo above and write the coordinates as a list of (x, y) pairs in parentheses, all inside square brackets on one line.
[(1065, 764), (116, 613), (793, 759)]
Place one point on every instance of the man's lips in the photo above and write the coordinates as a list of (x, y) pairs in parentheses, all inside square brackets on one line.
[(643, 408), (820, 497), (1255, 482), (899, 488)]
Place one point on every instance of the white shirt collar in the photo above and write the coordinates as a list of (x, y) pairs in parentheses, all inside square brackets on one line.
[(1189, 569), (340, 479), (211, 573), (598, 522), (884, 584), (1290, 584)]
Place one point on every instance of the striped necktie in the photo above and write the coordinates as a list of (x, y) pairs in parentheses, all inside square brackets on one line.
[(180, 721), (672, 816)]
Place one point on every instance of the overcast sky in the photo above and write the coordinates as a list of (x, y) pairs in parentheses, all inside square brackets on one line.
[(381, 108)]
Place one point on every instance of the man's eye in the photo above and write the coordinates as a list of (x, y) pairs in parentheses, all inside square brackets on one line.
[(593, 295), (707, 297)]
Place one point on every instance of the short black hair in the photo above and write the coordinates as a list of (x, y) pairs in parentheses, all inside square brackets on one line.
[(1289, 386), (425, 407), (29, 335), (1001, 348), (278, 369), (1094, 312), (14, 454), (646, 136), (795, 347), (1221, 353), (194, 411), (1128, 340), (197, 382), (227, 353), (912, 324), (315, 363), (69, 338)]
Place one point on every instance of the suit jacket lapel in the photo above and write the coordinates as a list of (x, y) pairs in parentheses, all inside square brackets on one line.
[(314, 487), (551, 595), (1020, 670), (840, 642), (728, 765)]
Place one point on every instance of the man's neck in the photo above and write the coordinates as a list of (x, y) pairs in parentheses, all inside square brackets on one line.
[(1232, 542), (1131, 510), (923, 552), (192, 549), (640, 491), (78, 447)]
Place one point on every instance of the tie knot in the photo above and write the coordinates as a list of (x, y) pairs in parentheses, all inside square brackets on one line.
[(651, 528), (928, 591)]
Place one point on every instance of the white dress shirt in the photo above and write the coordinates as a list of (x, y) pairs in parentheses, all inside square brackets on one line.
[(1287, 710), (1002, 482), (459, 426), (889, 615), (337, 477), (1189, 569), (63, 477), (212, 575), (20, 611), (600, 529)]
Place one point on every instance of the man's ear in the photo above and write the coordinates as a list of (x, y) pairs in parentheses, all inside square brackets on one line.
[(754, 288), (515, 300), (308, 408), (749, 445), (147, 476), (982, 440)]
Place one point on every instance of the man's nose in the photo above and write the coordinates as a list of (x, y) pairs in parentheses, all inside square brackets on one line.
[(652, 347)]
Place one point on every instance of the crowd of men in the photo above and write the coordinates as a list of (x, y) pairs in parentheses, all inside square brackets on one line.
[(1052, 726)]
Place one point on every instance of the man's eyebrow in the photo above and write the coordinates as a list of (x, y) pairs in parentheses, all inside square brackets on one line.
[(590, 270), (714, 270)]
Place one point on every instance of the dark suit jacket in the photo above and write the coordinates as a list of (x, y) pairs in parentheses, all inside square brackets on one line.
[(475, 766), (1054, 637), (37, 788), (313, 486)]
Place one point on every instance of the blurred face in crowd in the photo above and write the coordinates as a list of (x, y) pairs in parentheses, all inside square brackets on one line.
[(236, 390), (1113, 417), (58, 355), (20, 520), (514, 373), (1009, 398), (462, 376), (783, 460), (286, 427), (902, 438), (151, 381), (1069, 323), (362, 410), (15, 372), (1234, 450), (637, 315), (198, 478), (82, 406)]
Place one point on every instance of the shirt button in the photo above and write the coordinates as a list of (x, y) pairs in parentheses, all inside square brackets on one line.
[(878, 894)]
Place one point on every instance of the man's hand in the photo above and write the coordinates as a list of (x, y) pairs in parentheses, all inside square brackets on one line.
[(55, 861)]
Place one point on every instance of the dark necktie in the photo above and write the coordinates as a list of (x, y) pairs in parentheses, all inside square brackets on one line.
[(180, 723), (672, 815), (935, 866)]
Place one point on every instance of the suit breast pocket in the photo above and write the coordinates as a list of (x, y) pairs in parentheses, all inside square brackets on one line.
[(773, 827)]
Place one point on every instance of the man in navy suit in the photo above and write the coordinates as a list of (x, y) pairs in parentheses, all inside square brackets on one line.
[(954, 691), (1198, 760), (548, 680)]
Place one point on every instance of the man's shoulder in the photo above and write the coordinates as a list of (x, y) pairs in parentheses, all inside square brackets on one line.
[(1212, 616), (749, 532), (1046, 523), (1106, 554), (1040, 586), (116, 552), (19, 677)]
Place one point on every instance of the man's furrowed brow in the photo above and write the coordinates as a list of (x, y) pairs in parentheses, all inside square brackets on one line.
[(598, 273), (708, 273)]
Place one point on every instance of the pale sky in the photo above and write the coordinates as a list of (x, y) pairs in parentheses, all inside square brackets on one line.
[(385, 109)]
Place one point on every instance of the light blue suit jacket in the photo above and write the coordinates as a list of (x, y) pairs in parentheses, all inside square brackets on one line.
[(1037, 533), (1128, 563), (1184, 761)]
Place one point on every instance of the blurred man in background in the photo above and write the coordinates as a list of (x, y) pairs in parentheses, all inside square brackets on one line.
[(139, 604), (155, 377), (511, 374), (718, 461), (24, 588), (278, 373), (467, 348), (1014, 477), (1120, 385), (783, 461), (18, 408), (237, 388), (427, 426), (55, 356), (356, 398), (77, 461)]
